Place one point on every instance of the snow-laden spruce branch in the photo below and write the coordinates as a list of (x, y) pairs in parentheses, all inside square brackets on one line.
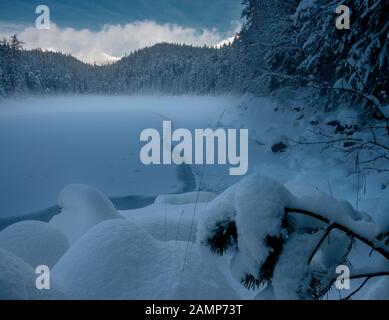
[(265, 229), (375, 244)]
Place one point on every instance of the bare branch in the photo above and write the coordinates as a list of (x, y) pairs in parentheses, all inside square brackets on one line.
[(327, 232), (357, 290)]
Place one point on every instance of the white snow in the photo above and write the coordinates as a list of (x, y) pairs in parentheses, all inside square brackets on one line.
[(37, 243), (256, 204), (168, 221), (339, 211), (291, 278), (348, 117), (119, 260), (266, 294), (184, 198), (17, 280), (260, 204), (342, 84), (139, 254), (82, 207), (379, 290), (382, 213)]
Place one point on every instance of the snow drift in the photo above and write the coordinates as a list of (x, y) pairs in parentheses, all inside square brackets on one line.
[(82, 207), (17, 280), (37, 243), (119, 260)]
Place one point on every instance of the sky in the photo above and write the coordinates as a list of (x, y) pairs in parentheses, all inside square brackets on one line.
[(104, 30)]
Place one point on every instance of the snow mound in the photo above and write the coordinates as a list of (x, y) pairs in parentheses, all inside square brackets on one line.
[(36, 243), (335, 210), (300, 188), (185, 198), (82, 207), (17, 280), (166, 221), (118, 260), (330, 207)]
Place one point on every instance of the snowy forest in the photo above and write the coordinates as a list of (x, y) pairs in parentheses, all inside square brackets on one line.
[(307, 52), (316, 102)]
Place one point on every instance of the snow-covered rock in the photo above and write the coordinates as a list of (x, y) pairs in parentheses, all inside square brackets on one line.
[(17, 280), (82, 207), (36, 243), (278, 144), (118, 260)]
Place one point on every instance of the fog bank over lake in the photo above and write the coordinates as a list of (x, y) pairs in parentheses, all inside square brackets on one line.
[(49, 143)]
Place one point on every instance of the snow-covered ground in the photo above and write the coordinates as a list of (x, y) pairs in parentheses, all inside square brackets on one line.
[(301, 167), (157, 252)]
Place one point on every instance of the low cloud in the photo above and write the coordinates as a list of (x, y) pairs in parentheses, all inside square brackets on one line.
[(113, 41)]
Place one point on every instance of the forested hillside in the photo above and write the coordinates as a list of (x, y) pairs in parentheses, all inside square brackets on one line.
[(296, 44), (282, 45), (163, 68), (171, 69)]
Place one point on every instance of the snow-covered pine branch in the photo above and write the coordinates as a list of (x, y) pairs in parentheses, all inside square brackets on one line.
[(265, 230)]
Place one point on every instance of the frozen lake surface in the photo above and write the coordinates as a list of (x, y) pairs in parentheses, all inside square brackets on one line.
[(49, 143)]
